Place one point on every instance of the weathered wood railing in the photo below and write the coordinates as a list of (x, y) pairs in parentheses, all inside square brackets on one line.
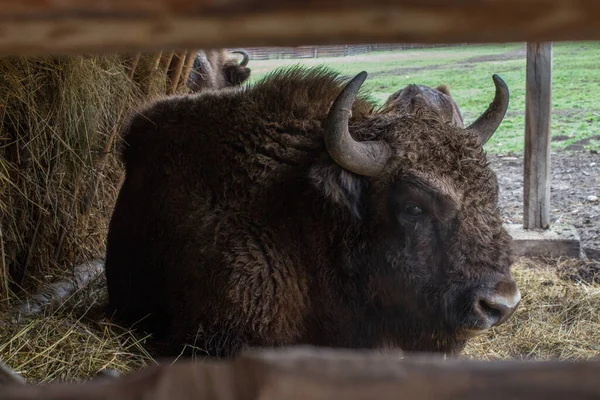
[(34, 26), (312, 374)]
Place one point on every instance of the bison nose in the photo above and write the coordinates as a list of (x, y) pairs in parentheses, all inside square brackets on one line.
[(494, 307)]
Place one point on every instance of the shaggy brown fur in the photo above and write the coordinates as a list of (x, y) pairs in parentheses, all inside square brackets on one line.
[(438, 101), (216, 69), (235, 228)]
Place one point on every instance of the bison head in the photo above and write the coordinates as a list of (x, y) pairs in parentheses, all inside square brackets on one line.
[(216, 69), (438, 101), (435, 255), (237, 73)]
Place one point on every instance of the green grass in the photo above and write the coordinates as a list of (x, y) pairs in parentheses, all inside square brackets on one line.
[(575, 91)]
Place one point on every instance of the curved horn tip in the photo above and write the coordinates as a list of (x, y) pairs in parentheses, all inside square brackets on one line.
[(499, 82), (488, 122), (352, 87), (245, 56), (501, 89), (361, 76), (346, 97)]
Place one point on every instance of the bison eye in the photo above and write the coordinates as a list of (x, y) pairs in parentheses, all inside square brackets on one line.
[(413, 210)]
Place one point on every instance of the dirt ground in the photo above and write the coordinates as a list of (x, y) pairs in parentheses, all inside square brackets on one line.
[(574, 192)]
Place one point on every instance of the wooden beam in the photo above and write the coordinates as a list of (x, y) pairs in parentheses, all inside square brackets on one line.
[(317, 374), (60, 290), (538, 108), (7, 376), (71, 26)]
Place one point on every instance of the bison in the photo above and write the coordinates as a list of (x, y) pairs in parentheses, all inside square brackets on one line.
[(413, 98), (294, 212), (216, 69)]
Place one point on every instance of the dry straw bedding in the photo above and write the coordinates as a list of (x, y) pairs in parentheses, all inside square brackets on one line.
[(59, 177), (58, 172), (559, 317)]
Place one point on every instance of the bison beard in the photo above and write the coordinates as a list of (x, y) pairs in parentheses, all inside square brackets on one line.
[(257, 217)]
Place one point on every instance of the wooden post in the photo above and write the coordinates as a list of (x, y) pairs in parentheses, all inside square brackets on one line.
[(538, 107), (134, 64), (187, 68), (157, 60), (165, 61), (175, 73)]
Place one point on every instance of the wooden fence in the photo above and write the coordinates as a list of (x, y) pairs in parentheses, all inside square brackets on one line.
[(324, 374), (268, 53), (84, 26)]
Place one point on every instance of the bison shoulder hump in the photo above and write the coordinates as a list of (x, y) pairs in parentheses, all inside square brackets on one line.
[(141, 132)]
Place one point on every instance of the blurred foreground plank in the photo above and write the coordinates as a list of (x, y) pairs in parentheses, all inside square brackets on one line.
[(70, 26), (306, 373)]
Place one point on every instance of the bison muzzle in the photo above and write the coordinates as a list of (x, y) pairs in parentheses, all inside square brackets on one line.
[(295, 212)]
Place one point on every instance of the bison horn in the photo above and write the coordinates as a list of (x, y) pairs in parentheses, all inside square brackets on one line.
[(362, 158), (245, 56), (488, 122)]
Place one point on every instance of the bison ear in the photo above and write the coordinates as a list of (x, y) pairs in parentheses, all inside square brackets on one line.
[(340, 186), (444, 89)]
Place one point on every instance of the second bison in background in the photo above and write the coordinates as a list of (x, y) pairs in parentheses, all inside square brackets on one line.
[(438, 102), (415, 98), (293, 212), (217, 69)]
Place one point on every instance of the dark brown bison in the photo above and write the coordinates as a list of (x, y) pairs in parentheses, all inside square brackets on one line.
[(217, 69), (414, 98), (293, 212)]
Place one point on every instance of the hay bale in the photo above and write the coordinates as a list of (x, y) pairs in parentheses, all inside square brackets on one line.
[(58, 115)]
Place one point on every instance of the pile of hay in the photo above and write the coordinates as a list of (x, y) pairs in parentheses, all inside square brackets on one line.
[(72, 342), (59, 178), (558, 318), (559, 315), (58, 173)]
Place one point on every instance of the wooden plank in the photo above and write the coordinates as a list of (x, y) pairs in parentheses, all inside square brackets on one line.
[(319, 374), (70, 26), (538, 108)]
